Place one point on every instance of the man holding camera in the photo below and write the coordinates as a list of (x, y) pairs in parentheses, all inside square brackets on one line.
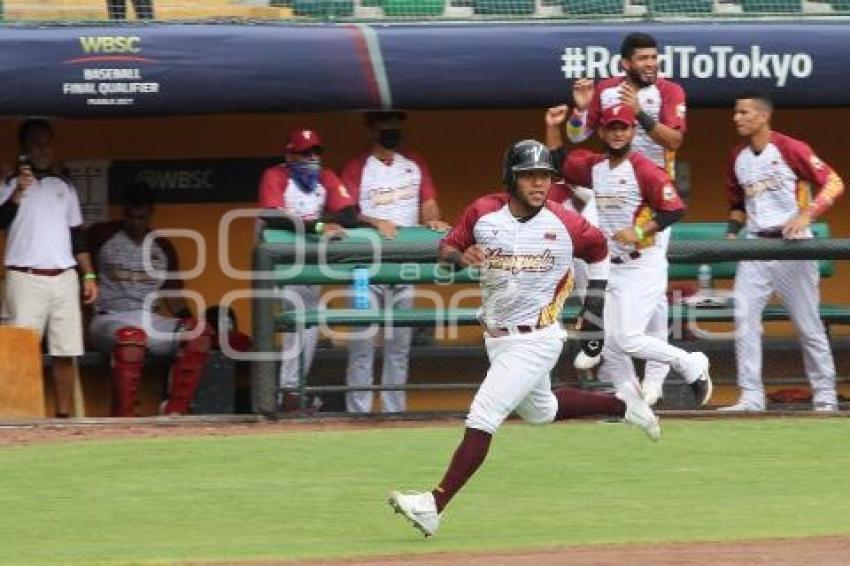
[(44, 245)]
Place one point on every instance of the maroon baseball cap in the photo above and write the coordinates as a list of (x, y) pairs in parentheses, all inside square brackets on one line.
[(302, 140), (619, 113)]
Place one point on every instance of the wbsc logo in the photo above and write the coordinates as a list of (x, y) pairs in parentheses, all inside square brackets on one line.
[(96, 45)]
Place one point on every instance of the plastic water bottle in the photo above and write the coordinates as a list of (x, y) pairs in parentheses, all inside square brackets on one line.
[(704, 282), (360, 287)]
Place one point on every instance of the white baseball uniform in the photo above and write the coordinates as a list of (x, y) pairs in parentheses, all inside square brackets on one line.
[(392, 191), (665, 102), (525, 280), (772, 187), (582, 201), (627, 194), (279, 191), (125, 283)]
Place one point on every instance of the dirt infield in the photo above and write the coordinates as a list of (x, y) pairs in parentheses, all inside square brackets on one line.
[(816, 551)]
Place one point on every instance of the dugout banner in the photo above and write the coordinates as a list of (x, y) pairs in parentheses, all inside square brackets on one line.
[(162, 69)]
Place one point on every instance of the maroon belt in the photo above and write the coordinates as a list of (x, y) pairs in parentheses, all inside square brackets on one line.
[(619, 260), (521, 329), (37, 271)]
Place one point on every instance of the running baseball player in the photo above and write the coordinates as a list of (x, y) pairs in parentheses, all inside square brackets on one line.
[(300, 187), (769, 179), (636, 200), (391, 187), (660, 108), (524, 246)]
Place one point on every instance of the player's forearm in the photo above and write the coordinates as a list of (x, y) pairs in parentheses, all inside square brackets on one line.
[(661, 221), (346, 217), (827, 195), (736, 221), (554, 138), (364, 220), (577, 128), (84, 261), (669, 138), (430, 211), (451, 256)]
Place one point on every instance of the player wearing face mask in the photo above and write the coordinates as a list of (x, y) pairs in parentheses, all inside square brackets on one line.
[(391, 187)]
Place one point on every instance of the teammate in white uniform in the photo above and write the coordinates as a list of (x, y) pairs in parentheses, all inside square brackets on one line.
[(301, 188), (524, 245), (770, 179), (391, 188), (127, 324), (636, 200), (660, 108)]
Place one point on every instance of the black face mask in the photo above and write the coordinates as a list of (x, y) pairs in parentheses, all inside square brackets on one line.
[(389, 138)]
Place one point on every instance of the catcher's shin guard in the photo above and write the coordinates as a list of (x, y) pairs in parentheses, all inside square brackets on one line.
[(187, 370), (128, 358)]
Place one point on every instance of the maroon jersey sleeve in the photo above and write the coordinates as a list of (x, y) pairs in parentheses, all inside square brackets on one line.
[(427, 190), (578, 167), (589, 243), (734, 190), (337, 195), (655, 185), (560, 192), (352, 174), (801, 159), (462, 235), (673, 106), (272, 186)]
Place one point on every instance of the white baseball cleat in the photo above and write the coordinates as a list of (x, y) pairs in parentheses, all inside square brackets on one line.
[(653, 390), (701, 386), (825, 407), (419, 508), (742, 407), (638, 412)]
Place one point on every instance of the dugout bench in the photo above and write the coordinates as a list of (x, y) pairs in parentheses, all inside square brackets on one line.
[(411, 258)]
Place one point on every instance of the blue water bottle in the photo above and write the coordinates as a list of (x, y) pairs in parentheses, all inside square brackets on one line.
[(360, 287)]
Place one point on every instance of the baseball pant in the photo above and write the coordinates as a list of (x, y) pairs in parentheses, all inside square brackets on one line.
[(635, 289), (518, 379), (796, 283), (47, 302), (361, 354), (161, 339), (659, 323), (299, 346)]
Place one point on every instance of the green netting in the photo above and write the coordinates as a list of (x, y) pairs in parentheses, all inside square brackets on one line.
[(308, 11), (772, 6), (323, 8), (504, 7), (593, 7), (397, 8)]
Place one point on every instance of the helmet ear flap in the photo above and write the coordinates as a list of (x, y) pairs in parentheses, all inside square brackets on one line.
[(508, 175)]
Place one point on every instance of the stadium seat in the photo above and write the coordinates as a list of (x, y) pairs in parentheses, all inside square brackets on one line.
[(504, 7), (680, 7), (593, 7), (772, 6), (840, 5), (323, 8), (414, 7)]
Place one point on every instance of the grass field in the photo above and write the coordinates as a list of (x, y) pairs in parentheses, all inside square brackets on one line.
[(321, 494)]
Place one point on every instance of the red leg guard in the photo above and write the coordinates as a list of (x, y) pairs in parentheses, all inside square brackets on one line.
[(187, 370), (128, 358)]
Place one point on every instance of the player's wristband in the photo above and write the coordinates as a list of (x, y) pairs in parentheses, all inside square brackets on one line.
[(319, 227), (90, 276), (639, 232), (646, 121)]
